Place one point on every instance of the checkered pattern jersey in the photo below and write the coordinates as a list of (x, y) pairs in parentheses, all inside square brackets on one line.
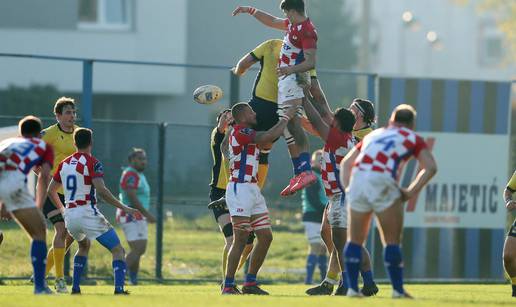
[(129, 180), (243, 155), (336, 147), (384, 149), (299, 37), (22, 154), (76, 173)]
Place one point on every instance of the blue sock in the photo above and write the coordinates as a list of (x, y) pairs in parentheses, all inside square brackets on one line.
[(38, 256), (344, 280), (295, 164), (311, 262), (323, 265), (353, 256), (394, 265), (250, 279), (304, 162), (367, 277), (79, 262), (133, 276), (119, 269), (229, 282)]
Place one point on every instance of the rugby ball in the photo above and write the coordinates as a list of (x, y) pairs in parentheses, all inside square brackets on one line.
[(207, 94)]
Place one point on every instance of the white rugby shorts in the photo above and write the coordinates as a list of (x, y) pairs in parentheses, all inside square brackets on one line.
[(14, 193), (135, 230), (313, 232), (245, 199), (371, 191), (288, 89), (337, 211), (85, 222)]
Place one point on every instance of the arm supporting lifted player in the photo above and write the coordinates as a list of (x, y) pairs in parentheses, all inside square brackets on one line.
[(264, 17)]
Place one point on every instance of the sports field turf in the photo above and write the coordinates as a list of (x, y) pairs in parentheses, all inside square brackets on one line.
[(281, 295)]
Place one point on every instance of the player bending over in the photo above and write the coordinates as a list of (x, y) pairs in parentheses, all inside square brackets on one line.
[(297, 57), (509, 248), (369, 172), (245, 202), (17, 157), (81, 175)]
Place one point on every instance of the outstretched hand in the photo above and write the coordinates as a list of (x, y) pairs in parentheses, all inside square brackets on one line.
[(243, 9)]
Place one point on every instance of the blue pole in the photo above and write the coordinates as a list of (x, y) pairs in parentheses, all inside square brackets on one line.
[(87, 93)]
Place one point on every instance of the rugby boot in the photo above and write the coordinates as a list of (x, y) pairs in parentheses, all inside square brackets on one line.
[(287, 190), (218, 204), (303, 180), (341, 291), (404, 295), (60, 286), (45, 291), (254, 289), (353, 293), (75, 291), (122, 292), (325, 288), (233, 290), (369, 290)]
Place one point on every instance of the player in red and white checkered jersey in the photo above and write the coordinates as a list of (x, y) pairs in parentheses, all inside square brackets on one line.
[(17, 157), (339, 141), (297, 58), (245, 202), (370, 170), (81, 176)]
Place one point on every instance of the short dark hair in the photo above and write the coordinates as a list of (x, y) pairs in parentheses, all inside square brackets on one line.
[(404, 114), (29, 126), (133, 152), (366, 108), (82, 137), (61, 103), (297, 5), (345, 119), (237, 109), (222, 113)]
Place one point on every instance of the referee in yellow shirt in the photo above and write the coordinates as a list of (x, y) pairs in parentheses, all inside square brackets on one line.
[(60, 136), (509, 249)]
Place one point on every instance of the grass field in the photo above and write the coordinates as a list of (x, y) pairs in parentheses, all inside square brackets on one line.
[(281, 295)]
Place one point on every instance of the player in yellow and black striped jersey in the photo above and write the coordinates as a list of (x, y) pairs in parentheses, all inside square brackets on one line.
[(219, 181), (509, 248), (60, 136), (364, 117)]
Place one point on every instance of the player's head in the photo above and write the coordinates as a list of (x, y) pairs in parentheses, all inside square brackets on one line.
[(292, 8), (404, 115), (64, 109), (29, 126), (364, 113), (317, 159), (137, 158), (344, 119), (83, 138), (243, 114)]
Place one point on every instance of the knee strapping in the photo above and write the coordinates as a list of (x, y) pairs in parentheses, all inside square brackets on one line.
[(243, 226), (261, 223), (227, 230)]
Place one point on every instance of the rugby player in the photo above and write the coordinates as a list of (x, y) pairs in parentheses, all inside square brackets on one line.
[(509, 248), (81, 175), (17, 157), (245, 202), (219, 181), (135, 191), (297, 57), (338, 141), (60, 136), (369, 172), (314, 201)]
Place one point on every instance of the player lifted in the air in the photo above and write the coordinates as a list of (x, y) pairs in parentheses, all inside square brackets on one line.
[(297, 57), (81, 176), (369, 172), (17, 157), (243, 197), (509, 248)]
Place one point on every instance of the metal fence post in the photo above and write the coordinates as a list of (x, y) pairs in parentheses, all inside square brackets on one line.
[(87, 93), (159, 207), (234, 88)]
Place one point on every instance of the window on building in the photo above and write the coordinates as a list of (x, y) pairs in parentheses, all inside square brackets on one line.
[(491, 44), (105, 14)]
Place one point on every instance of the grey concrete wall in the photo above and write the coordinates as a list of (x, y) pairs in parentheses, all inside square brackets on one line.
[(38, 14)]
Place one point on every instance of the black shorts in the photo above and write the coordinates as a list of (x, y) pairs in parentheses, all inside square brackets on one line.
[(49, 207), (512, 231), (216, 193), (266, 113)]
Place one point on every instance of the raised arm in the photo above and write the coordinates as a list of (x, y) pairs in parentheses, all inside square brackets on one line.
[(263, 138), (428, 170), (224, 146), (313, 116), (244, 64), (262, 16), (104, 192), (306, 65), (319, 102)]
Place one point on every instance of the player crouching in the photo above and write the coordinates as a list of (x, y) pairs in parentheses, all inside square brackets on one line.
[(245, 202), (81, 174)]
